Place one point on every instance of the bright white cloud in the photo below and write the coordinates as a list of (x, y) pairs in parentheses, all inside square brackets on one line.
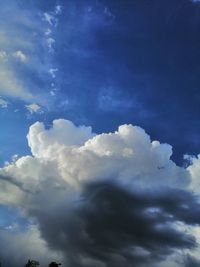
[(22, 36), (52, 72), (14, 41), (49, 18), (66, 154)]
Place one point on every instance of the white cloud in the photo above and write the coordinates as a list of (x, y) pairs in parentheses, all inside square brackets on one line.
[(52, 93), (50, 43), (22, 41), (33, 108), (52, 72), (3, 56), (48, 32), (3, 103), (19, 55)]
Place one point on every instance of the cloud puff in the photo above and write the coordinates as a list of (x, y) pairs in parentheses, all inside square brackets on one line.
[(118, 227), (19, 55), (3, 103), (121, 192), (33, 108)]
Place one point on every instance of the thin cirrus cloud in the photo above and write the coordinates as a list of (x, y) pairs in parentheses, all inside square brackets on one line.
[(13, 37), (24, 67), (120, 191), (3, 103)]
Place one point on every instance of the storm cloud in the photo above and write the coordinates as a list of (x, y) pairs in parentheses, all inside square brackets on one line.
[(113, 226), (110, 199)]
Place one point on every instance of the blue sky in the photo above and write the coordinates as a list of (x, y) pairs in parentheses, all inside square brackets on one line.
[(101, 64)]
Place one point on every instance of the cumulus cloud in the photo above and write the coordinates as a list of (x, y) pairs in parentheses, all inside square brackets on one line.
[(104, 199), (24, 64), (16, 44)]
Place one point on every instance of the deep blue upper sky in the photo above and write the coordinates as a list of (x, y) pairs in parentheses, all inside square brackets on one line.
[(103, 63)]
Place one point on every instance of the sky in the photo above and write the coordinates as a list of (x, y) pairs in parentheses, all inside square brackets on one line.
[(100, 133)]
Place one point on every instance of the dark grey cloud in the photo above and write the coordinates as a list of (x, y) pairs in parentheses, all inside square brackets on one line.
[(191, 261), (111, 226)]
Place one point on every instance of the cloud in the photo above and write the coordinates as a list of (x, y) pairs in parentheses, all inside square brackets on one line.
[(20, 56), (121, 192), (10, 86), (33, 108), (3, 103), (53, 72), (118, 227)]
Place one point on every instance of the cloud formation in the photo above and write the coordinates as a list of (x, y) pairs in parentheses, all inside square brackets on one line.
[(33, 108), (3, 103), (25, 60), (106, 200)]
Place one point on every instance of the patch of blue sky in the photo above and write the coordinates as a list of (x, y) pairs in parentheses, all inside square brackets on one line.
[(12, 219)]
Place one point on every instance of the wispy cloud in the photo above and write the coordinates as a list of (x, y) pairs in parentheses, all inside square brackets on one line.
[(3, 103), (24, 64), (19, 55), (33, 108)]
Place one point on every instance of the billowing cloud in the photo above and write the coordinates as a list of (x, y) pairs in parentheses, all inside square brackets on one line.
[(108, 200)]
